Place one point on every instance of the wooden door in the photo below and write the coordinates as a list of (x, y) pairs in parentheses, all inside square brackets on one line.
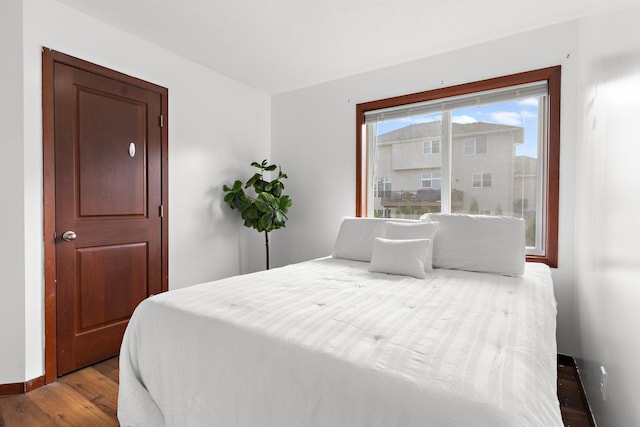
[(108, 209)]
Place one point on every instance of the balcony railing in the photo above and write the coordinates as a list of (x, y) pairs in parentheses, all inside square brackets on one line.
[(417, 198)]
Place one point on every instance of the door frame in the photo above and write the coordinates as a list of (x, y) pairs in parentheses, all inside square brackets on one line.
[(49, 58)]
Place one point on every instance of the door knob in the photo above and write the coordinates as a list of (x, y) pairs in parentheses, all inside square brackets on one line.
[(69, 236)]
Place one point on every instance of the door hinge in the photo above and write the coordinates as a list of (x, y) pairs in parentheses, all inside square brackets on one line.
[(161, 211), (161, 121)]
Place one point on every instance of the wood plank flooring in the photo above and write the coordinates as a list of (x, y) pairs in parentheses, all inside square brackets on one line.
[(89, 398), (575, 412)]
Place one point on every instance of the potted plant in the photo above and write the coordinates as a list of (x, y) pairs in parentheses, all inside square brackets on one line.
[(267, 210)]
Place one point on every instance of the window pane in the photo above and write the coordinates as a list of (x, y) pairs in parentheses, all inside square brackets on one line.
[(431, 147), (469, 146), (486, 180), (414, 179), (507, 143), (481, 144)]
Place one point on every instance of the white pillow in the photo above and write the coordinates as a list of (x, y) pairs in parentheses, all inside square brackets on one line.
[(356, 235), (490, 244), (414, 230), (402, 257)]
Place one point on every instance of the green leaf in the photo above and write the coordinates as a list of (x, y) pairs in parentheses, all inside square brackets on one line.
[(252, 223), (236, 199), (267, 221), (237, 185), (280, 219), (270, 167), (229, 197), (251, 213), (259, 186), (252, 181), (284, 203), (277, 188), (265, 202), (245, 201)]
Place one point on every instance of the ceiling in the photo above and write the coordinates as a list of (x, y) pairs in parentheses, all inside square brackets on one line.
[(281, 45)]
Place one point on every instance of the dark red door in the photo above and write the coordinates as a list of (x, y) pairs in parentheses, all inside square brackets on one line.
[(108, 174)]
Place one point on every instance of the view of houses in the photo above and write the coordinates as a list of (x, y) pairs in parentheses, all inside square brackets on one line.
[(486, 174)]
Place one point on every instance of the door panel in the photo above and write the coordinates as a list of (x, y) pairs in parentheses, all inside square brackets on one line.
[(104, 167), (108, 296), (109, 197)]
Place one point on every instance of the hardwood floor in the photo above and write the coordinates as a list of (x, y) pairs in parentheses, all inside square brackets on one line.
[(89, 398), (573, 406)]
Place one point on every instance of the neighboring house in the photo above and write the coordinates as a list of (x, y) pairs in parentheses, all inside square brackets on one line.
[(486, 174)]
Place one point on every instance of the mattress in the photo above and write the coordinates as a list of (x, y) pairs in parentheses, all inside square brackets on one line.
[(328, 343)]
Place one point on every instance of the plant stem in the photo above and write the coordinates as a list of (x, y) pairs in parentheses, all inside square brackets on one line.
[(266, 244)]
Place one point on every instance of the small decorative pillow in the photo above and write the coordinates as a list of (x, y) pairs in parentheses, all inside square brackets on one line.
[(410, 230), (402, 257)]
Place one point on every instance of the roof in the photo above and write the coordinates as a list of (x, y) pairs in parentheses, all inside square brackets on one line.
[(434, 130)]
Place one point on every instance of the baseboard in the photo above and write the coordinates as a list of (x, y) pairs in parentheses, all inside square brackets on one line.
[(570, 361), (21, 388), (566, 360)]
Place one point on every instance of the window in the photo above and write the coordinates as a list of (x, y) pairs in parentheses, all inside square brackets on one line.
[(518, 116), (431, 147), (475, 145), (481, 180), (382, 186), (431, 180)]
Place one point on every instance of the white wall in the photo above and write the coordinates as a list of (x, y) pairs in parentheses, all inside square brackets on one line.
[(607, 210), (12, 250), (210, 143), (313, 137)]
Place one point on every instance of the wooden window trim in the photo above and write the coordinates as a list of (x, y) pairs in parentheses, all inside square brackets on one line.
[(551, 74)]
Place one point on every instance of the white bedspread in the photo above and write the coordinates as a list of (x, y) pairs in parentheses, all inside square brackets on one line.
[(326, 343)]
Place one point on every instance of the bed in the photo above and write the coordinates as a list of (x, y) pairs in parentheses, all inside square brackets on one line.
[(337, 342)]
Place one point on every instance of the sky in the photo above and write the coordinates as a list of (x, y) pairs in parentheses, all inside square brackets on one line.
[(522, 113)]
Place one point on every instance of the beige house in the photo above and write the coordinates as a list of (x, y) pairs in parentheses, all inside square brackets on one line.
[(486, 174)]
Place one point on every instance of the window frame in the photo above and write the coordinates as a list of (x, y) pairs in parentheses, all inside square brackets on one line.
[(432, 143), (551, 176), (431, 179), (475, 152), (385, 181), (482, 180)]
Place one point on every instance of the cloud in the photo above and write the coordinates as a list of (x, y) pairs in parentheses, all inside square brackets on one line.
[(508, 118), (464, 119), (530, 102)]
